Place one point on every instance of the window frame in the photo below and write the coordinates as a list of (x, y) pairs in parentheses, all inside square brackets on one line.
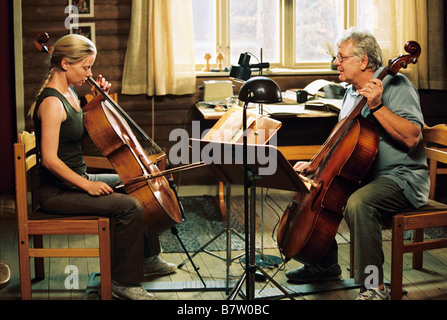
[(287, 42)]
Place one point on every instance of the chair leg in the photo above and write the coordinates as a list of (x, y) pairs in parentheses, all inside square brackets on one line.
[(39, 267), (25, 269), (418, 236), (104, 259), (397, 258)]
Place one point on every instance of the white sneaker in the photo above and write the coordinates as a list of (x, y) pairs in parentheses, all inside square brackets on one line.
[(130, 292), (156, 266), (374, 294)]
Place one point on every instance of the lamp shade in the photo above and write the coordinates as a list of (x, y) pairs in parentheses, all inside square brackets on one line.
[(239, 73), (260, 90), (242, 70)]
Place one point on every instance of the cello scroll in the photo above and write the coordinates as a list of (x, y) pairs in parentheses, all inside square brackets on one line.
[(39, 41), (414, 50)]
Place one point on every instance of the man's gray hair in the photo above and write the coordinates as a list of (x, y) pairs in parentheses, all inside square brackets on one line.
[(364, 44)]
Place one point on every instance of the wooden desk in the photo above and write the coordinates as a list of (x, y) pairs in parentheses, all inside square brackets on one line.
[(294, 144), (209, 113)]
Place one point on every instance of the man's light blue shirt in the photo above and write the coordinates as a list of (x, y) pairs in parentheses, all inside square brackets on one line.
[(408, 168)]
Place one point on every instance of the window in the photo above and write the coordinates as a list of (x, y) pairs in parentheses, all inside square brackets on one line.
[(317, 23), (254, 25), (204, 15), (286, 33)]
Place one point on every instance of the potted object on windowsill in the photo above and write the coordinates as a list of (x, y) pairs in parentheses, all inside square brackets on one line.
[(333, 67), (331, 52)]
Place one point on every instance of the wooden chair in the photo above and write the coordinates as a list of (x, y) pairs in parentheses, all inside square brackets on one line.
[(434, 214), (34, 224)]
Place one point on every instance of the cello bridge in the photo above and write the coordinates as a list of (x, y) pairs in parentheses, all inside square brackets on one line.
[(308, 180)]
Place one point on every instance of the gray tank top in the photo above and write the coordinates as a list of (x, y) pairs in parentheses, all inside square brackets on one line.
[(70, 136)]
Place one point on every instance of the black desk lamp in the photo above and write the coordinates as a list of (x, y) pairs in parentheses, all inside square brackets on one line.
[(242, 71), (255, 90)]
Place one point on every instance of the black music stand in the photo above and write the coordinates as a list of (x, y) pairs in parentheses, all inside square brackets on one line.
[(284, 178)]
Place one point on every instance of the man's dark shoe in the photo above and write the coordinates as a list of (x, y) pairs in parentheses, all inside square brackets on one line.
[(314, 273)]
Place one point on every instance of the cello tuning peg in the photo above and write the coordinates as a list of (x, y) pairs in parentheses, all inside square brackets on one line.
[(404, 64)]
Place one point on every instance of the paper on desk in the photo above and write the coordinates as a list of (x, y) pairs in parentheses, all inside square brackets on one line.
[(289, 95), (315, 86), (284, 109)]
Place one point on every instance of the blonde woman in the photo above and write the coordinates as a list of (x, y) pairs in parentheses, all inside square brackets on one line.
[(66, 188)]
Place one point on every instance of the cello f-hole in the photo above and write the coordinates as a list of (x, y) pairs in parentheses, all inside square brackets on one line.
[(143, 163), (317, 195)]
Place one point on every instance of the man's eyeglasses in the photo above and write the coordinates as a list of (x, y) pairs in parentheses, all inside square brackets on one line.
[(340, 58)]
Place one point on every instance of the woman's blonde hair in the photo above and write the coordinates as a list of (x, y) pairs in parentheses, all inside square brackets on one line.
[(72, 47)]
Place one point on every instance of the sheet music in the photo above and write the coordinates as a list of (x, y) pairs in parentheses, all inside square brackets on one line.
[(232, 129)]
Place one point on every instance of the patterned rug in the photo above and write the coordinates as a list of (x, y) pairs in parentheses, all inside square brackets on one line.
[(202, 223)]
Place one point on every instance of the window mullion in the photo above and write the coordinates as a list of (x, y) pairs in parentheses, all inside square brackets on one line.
[(223, 29), (287, 30), (350, 16)]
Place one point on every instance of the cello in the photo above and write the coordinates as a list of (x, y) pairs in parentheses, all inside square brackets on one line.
[(310, 222), (111, 129)]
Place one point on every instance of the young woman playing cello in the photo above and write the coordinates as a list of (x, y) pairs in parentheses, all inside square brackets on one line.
[(66, 188)]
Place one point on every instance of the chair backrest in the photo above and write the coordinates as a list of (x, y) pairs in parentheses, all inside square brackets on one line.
[(25, 163), (435, 139)]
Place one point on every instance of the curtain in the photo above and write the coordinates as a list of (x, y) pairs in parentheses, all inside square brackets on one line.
[(160, 50), (437, 49), (398, 21)]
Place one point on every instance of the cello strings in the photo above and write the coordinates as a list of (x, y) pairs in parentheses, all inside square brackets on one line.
[(123, 114)]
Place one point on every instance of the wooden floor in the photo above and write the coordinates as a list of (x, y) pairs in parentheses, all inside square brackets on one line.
[(430, 283)]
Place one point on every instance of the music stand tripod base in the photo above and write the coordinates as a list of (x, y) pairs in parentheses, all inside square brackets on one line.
[(266, 261), (283, 178)]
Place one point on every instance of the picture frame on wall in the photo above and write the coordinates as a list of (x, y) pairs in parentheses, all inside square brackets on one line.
[(85, 8), (86, 29)]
